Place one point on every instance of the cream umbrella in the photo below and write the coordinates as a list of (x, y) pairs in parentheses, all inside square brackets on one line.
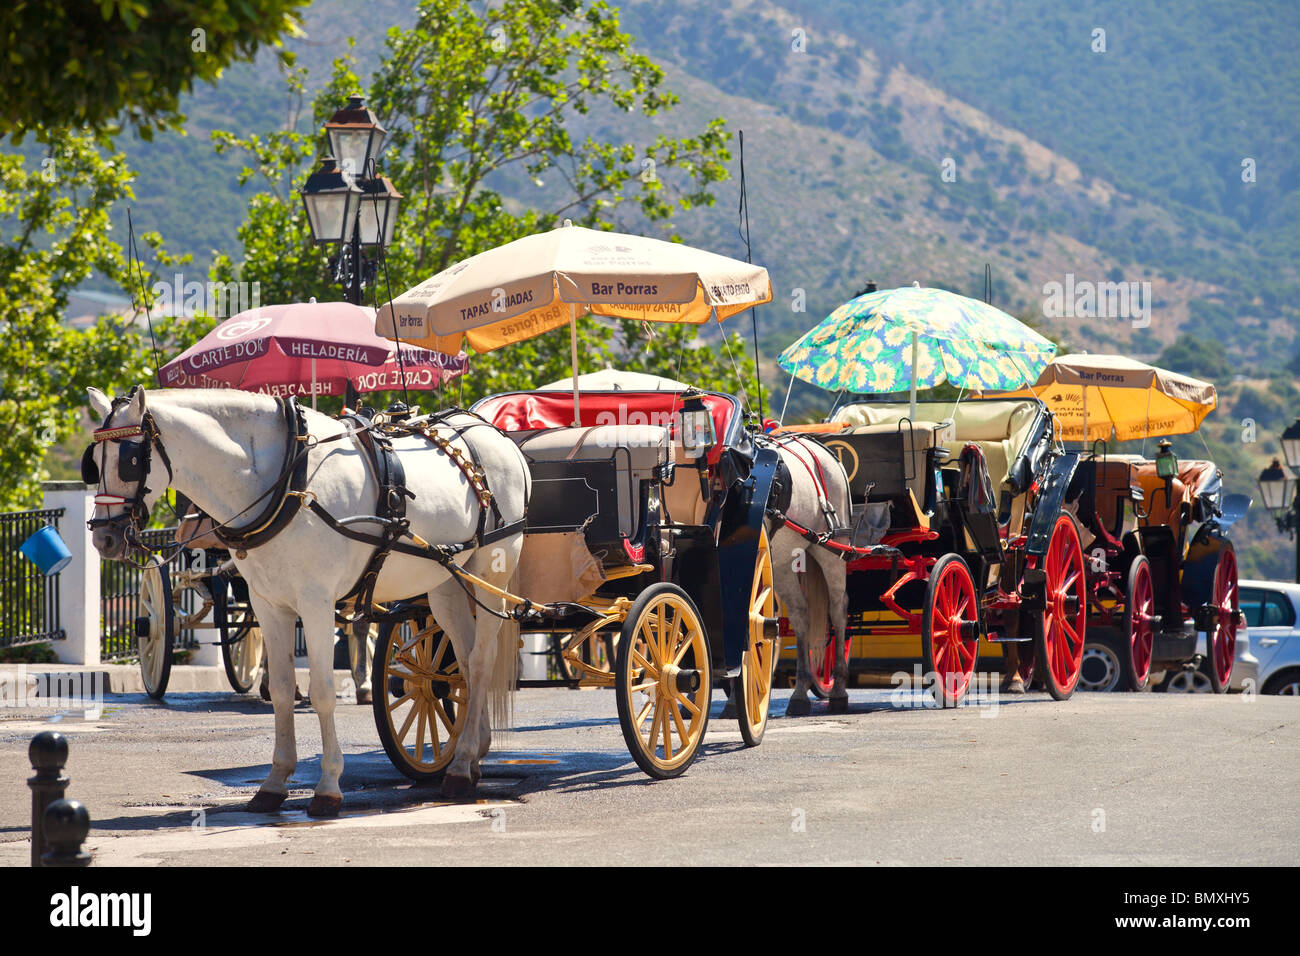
[(1093, 396), (540, 282)]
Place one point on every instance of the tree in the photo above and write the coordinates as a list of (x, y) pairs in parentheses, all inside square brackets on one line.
[(1195, 356), (88, 62), (483, 101), (59, 210)]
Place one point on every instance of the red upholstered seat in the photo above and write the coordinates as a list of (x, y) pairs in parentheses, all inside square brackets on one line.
[(525, 411)]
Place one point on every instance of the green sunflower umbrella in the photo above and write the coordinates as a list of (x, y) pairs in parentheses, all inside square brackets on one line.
[(914, 338)]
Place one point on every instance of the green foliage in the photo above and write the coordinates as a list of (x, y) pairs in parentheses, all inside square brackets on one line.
[(475, 94), (58, 227), (1197, 357), (90, 62)]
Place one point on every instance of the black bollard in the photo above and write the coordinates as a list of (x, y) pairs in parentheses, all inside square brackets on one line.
[(48, 753), (66, 824)]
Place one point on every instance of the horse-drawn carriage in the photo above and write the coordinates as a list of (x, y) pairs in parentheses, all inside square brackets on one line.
[(1160, 567), (645, 537), (958, 541)]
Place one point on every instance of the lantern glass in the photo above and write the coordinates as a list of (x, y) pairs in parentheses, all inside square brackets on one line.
[(1276, 487), (1166, 461), (698, 434), (378, 213), (330, 199), (355, 137), (1291, 446)]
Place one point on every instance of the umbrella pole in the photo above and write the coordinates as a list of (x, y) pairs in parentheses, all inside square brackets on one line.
[(912, 410), (573, 355)]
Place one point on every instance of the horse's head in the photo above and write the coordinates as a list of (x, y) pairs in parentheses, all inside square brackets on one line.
[(118, 462)]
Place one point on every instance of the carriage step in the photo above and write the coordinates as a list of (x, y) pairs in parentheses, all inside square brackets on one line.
[(996, 639)]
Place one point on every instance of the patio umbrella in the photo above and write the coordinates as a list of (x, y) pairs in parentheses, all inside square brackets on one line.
[(917, 338), (1095, 395), (314, 348), (541, 282)]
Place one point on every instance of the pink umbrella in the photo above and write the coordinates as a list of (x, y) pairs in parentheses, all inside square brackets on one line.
[(305, 348)]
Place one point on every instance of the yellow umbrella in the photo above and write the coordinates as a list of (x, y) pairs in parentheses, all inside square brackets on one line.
[(541, 282), (1093, 396)]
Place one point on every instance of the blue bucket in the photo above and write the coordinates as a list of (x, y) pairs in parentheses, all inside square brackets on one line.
[(46, 550)]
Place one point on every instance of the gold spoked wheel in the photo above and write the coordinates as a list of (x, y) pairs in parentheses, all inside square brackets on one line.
[(241, 639), (663, 681), (155, 627), (752, 690), (420, 698)]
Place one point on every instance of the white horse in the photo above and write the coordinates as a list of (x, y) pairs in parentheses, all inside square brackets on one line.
[(811, 580), (226, 448)]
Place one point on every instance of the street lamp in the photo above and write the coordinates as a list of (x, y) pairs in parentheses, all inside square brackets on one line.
[(348, 203), (1279, 489)]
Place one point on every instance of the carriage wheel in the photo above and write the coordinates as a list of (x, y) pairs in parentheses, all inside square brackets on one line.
[(822, 664), (241, 639), (420, 699), (950, 629), (752, 689), (663, 680), (155, 627), (1060, 629), (1227, 603), (1139, 609)]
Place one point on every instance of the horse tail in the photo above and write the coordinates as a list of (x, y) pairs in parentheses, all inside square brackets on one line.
[(818, 597), (505, 667)]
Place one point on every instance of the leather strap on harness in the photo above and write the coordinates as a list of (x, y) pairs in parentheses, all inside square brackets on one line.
[(285, 500)]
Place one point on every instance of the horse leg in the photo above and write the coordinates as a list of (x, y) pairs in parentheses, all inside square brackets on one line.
[(318, 628), (449, 608), (785, 578), (835, 577), (361, 648), (277, 625)]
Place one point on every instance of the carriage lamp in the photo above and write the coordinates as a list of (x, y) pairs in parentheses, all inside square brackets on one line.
[(698, 434), (331, 200), (1166, 460), (355, 136)]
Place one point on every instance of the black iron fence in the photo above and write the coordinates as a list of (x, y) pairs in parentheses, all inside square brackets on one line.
[(29, 600), (119, 600)]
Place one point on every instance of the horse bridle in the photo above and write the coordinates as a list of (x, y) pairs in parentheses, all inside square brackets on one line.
[(133, 464)]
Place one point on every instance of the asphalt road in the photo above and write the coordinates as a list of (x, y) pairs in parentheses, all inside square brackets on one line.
[(1100, 779)]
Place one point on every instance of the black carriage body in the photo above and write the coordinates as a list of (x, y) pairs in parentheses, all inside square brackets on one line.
[(709, 554)]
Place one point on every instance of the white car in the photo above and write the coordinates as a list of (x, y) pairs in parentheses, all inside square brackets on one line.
[(1272, 610)]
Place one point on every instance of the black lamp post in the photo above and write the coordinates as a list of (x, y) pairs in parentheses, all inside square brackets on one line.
[(347, 202), (1279, 489)]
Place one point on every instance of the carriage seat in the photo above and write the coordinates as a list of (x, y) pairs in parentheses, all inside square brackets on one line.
[(1002, 428), (635, 450), (1179, 506)]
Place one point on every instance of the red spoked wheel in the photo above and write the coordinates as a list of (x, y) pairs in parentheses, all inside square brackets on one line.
[(1059, 640), (950, 629), (1139, 611), (823, 667), (1227, 604)]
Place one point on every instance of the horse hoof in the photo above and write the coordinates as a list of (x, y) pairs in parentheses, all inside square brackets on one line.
[(798, 707), (324, 805), (837, 705), (1015, 685), (265, 802), (363, 697), (457, 788)]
